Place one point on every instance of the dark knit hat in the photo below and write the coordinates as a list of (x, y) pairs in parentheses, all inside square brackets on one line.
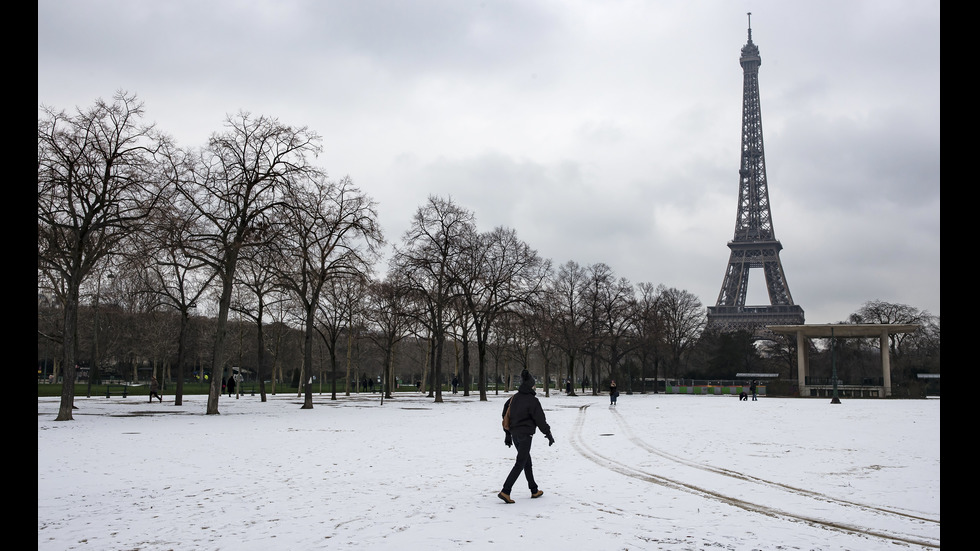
[(526, 376)]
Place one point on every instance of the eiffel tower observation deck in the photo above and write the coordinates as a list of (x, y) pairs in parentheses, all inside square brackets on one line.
[(754, 244)]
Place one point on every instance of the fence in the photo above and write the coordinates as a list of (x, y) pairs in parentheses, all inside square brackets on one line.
[(716, 388)]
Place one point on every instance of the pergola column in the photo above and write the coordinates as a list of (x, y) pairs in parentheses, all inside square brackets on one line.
[(886, 370), (802, 361)]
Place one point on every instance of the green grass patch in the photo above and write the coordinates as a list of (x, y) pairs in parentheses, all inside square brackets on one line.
[(190, 389), (167, 389)]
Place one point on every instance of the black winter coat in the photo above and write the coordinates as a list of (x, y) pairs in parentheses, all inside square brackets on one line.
[(525, 413)]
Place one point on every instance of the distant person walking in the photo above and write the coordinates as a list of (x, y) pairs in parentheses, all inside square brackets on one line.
[(752, 389), (455, 384), (522, 415), (155, 389), (231, 385), (613, 393), (238, 382)]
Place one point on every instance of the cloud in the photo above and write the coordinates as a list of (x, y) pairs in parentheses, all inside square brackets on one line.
[(602, 132)]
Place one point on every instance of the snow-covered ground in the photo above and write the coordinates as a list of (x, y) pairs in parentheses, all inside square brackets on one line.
[(655, 472)]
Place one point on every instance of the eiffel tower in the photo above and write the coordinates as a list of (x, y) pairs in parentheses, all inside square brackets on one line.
[(755, 244)]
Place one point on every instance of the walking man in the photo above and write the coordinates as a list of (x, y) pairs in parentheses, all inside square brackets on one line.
[(154, 389), (522, 415)]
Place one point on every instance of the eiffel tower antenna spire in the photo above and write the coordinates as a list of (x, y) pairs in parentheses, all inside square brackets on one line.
[(754, 244)]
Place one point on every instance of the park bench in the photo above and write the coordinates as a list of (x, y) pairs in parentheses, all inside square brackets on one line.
[(116, 390)]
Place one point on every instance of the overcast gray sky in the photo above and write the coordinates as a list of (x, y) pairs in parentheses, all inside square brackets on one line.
[(602, 131)]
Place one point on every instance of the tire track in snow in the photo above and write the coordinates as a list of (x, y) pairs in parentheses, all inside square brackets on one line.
[(583, 448), (756, 480)]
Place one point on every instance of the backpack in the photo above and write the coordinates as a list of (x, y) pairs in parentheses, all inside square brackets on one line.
[(506, 420)]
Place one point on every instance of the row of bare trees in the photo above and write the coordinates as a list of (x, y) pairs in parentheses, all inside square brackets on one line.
[(249, 222), (248, 209), (249, 225)]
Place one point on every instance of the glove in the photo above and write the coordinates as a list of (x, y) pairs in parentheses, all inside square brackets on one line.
[(507, 440), (551, 439)]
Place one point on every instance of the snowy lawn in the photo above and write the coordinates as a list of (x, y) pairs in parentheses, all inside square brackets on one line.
[(654, 472)]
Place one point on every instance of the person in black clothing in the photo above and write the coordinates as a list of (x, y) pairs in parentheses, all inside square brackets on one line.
[(526, 415), (753, 388), (155, 389)]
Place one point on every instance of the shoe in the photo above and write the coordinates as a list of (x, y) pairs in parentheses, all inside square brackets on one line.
[(539, 493), (506, 498)]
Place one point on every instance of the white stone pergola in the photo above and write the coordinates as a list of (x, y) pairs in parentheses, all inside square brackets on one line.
[(845, 330)]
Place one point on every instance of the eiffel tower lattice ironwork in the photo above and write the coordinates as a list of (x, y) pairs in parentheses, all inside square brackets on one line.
[(755, 244)]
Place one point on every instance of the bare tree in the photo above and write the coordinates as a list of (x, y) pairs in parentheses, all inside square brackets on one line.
[(333, 233), (649, 333), (177, 280), (595, 294), (280, 341), (523, 341), (879, 311), (537, 329), (565, 295), (102, 334), (619, 326), (97, 180), (913, 352), (259, 277), (237, 185), (683, 317), (389, 324), (496, 273), (431, 246), (339, 303), (461, 329), (925, 346)]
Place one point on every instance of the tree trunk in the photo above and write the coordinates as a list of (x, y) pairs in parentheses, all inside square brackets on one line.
[(69, 352), (481, 352), (308, 359), (349, 343), (466, 368), (437, 369), (571, 372), (333, 372), (547, 380), (218, 358), (181, 352)]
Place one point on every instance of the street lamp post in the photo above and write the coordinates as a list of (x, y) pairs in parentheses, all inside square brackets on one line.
[(833, 363), (94, 365)]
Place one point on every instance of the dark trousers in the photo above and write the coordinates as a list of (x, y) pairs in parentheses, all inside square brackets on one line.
[(523, 463)]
